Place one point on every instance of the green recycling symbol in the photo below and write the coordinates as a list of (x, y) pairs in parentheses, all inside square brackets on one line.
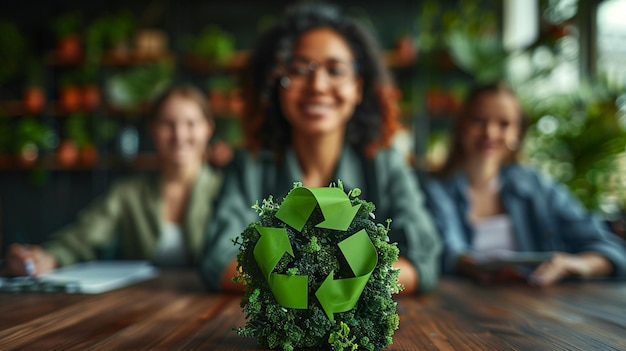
[(291, 291)]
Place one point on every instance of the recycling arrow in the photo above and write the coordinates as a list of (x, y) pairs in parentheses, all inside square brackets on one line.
[(289, 291), (335, 205), (341, 295)]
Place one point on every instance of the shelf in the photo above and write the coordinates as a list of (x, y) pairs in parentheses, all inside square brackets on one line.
[(114, 59), (53, 59), (143, 161), (204, 65), (11, 108), (135, 58)]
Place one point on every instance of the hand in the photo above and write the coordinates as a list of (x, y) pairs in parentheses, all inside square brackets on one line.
[(563, 265), (408, 276), (19, 255)]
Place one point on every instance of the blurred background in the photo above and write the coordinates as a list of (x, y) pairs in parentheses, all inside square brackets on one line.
[(76, 78)]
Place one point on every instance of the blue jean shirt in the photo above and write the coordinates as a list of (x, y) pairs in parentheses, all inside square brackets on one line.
[(545, 217)]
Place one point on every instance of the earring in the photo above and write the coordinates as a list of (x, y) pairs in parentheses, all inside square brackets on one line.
[(284, 82)]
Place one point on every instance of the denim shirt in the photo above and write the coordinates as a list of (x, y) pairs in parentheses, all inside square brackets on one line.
[(545, 217)]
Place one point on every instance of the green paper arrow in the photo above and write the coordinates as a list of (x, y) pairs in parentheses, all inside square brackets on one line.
[(335, 295), (336, 208), (341, 295), (289, 291)]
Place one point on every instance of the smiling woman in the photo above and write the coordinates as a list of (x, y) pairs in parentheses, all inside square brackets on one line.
[(320, 108), (489, 207), (158, 217), (309, 110)]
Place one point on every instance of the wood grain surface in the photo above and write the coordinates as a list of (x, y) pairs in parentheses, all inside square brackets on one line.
[(172, 312)]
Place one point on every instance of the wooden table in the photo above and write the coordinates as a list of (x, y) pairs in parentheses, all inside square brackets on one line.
[(173, 313)]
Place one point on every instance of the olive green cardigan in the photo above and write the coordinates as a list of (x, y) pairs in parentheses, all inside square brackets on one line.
[(384, 180), (127, 221)]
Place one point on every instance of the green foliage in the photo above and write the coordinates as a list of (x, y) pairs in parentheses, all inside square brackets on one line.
[(214, 43), (134, 87), (580, 138), (341, 340), (369, 325), (468, 31), (77, 130), (67, 23), (31, 131), (108, 32), (14, 48)]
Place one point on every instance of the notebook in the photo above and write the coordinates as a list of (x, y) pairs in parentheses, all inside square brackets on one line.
[(96, 277)]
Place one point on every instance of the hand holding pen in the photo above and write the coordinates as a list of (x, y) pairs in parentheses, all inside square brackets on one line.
[(29, 260)]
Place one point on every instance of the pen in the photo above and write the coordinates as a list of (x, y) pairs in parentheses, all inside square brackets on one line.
[(29, 263), (29, 266)]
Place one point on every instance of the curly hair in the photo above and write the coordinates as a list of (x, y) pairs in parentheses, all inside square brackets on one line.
[(375, 119), (456, 153)]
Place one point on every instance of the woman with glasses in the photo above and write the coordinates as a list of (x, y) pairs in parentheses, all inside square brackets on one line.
[(320, 107)]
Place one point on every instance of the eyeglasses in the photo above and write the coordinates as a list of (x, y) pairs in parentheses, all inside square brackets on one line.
[(299, 72)]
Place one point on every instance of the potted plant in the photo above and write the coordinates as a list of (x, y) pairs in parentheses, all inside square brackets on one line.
[(120, 28), (220, 89), (77, 146), (67, 29), (213, 44), (136, 87), (31, 138), (405, 49), (34, 98), (90, 96), (69, 94)]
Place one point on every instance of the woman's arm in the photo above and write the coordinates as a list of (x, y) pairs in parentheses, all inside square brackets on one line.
[(412, 226), (232, 215), (562, 265), (592, 249)]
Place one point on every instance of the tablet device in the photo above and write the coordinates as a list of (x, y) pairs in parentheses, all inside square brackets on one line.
[(495, 260)]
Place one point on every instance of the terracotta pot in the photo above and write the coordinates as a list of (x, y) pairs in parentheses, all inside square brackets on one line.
[(70, 98), (88, 156), (405, 50), (34, 99), (90, 97), (67, 153), (236, 103), (436, 102), (69, 48), (220, 102)]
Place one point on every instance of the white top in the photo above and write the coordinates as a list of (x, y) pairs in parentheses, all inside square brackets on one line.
[(493, 234), (171, 250)]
